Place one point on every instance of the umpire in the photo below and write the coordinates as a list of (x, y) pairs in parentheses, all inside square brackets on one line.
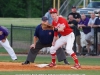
[(43, 38)]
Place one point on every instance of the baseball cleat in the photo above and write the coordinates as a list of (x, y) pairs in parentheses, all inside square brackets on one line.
[(67, 63), (52, 64), (26, 63), (15, 59), (76, 66)]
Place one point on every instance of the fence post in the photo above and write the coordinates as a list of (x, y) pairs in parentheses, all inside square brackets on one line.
[(96, 42), (11, 38), (31, 36)]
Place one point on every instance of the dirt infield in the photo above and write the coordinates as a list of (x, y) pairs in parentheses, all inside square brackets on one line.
[(12, 66)]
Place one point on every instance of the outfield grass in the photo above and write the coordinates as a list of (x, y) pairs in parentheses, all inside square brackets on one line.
[(20, 21)]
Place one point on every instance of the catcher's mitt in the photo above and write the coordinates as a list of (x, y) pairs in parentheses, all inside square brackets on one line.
[(47, 27)]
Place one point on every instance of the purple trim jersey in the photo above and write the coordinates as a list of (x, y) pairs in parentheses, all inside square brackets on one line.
[(3, 32)]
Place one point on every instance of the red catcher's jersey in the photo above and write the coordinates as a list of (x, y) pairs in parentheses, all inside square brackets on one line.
[(62, 21)]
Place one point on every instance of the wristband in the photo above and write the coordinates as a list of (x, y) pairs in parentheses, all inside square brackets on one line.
[(55, 29)]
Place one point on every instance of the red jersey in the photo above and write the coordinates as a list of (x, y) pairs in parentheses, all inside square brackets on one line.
[(62, 21)]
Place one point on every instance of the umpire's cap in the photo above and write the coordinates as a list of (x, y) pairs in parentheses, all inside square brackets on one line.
[(53, 10), (44, 18)]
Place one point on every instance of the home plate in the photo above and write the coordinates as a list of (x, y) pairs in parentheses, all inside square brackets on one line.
[(42, 65)]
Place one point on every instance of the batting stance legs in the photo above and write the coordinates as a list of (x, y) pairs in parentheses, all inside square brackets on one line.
[(9, 49), (69, 40)]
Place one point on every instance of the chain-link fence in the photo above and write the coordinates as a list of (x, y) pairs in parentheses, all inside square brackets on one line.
[(21, 37)]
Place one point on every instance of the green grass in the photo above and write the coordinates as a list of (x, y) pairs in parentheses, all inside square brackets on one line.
[(83, 60), (16, 50), (47, 59), (51, 72), (20, 21), (2, 50)]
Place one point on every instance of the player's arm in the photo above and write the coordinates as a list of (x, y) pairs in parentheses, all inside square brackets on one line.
[(71, 25), (80, 26), (35, 38), (34, 42), (95, 24), (55, 38)]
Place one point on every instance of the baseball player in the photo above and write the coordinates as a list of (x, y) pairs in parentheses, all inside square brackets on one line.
[(5, 43), (67, 37), (58, 52)]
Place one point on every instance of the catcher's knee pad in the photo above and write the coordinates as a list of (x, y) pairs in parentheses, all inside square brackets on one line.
[(52, 50)]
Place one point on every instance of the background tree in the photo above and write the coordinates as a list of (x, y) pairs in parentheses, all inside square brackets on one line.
[(24, 8)]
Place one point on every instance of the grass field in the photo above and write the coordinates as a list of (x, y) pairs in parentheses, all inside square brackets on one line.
[(51, 72), (46, 59), (20, 21)]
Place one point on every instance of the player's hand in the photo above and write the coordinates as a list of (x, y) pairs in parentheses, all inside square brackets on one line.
[(32, 46), (3, 40), (79, 26), (53, 43), (90, 25)]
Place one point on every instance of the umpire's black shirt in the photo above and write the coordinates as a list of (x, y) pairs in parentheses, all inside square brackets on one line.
[(75, 23), (75, 15)]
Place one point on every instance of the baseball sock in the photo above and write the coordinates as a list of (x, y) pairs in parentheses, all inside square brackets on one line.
[(53, 56), (73, 55)]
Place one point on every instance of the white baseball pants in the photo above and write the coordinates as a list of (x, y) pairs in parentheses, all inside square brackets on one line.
[(68, 40), (9, 49)]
